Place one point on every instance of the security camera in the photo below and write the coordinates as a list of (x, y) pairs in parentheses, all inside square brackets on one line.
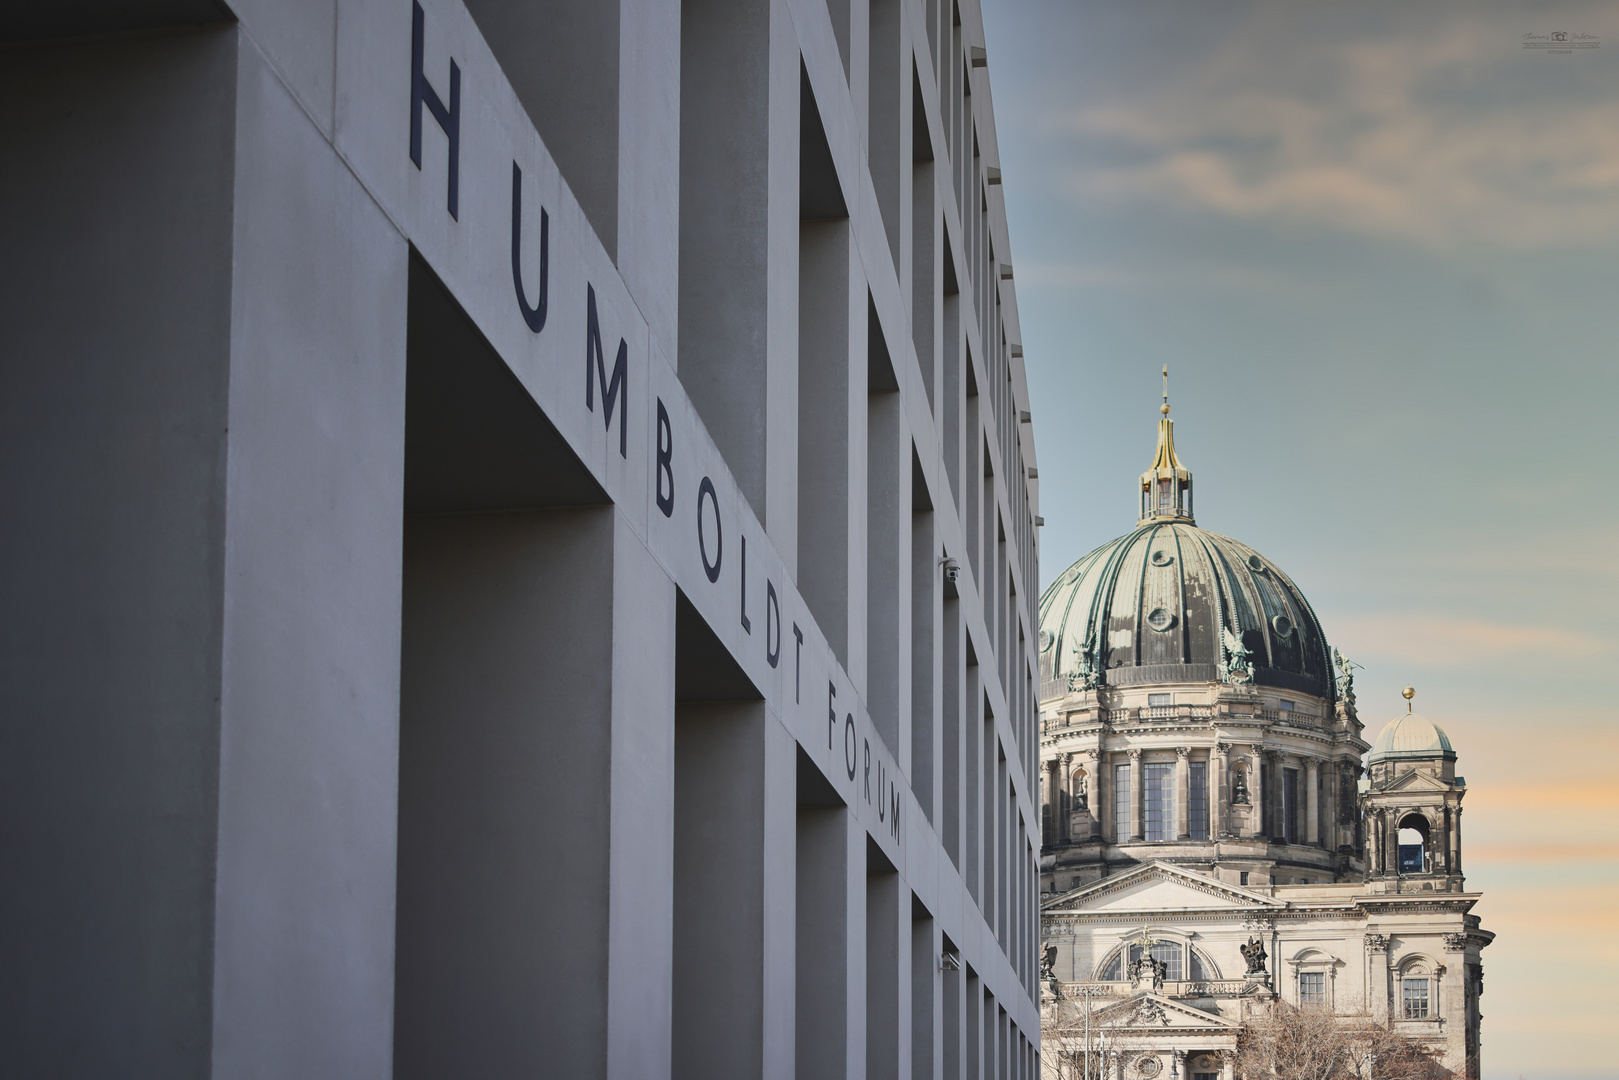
[(952, 569)]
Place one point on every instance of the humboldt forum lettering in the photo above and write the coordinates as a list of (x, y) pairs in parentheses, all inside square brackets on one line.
[(527, 567)]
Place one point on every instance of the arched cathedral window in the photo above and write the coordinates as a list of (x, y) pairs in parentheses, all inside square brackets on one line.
[(1181, 962)]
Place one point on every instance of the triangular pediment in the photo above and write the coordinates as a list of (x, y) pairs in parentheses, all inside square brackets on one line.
[(1158, 886), (1417, 781), (1149, 1011)]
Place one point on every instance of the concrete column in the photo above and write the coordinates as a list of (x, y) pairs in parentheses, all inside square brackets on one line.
[(1183, 792), (641, 829), (1219, 788), (304, 920), (1135, 794), (198, 679), (1312, 813)]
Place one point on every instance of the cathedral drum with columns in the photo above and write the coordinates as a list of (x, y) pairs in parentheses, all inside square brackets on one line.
[(1211, 842)]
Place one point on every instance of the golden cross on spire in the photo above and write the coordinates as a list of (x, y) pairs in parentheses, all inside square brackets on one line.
[(1165, 407)]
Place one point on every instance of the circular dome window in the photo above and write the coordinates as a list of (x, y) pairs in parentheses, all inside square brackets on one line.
[(1256, 563), (1046, 640), (1162, 558), (1160, 619), (1282, 625)]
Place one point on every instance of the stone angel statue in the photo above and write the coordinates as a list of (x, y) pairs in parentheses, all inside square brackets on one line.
[(1346, 674), (1237, 667), (1048, 962), (1254, 953)]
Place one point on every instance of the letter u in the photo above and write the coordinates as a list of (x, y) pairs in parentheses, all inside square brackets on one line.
[(534, 316)]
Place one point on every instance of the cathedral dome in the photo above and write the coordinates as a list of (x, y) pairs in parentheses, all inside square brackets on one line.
[(1411, 735), (1171, 602)]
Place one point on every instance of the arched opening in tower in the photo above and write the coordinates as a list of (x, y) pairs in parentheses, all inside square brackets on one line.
[(1413, 844)]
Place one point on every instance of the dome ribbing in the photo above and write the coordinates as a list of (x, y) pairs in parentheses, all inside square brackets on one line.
[(1175, 603)]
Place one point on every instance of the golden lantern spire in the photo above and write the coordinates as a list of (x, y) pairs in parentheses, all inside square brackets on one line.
[(1166, 488)]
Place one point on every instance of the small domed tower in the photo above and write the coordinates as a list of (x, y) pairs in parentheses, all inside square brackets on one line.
[(1411, 807)]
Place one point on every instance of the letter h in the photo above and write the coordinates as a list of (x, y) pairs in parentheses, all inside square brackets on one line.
[(422, 93)]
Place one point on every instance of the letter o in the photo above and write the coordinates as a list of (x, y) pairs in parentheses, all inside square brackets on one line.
[(849, 745), (706, 490)]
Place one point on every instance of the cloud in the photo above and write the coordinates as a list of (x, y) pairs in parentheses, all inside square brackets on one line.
[(1076, 276), (1542, 853), (1547, 798), (1369, 136), (1438, 641)]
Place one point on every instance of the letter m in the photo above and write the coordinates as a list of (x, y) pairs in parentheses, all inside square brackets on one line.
[(596, 370)]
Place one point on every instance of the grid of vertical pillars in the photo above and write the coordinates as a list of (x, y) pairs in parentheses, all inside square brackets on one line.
[(486, 724)]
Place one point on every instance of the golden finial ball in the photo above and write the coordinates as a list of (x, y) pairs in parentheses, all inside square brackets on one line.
[(1164, 408), (1408, 693)]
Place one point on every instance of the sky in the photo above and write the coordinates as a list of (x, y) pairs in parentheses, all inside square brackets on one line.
[(1378, 247)]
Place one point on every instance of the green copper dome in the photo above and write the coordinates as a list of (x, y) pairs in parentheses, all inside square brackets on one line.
[(1411, 735), (1171, 602)]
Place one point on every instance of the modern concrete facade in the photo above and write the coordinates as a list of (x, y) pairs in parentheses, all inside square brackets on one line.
[(520, 553), (1211, 843)]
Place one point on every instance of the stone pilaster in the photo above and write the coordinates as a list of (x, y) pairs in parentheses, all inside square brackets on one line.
[(1093, 765), (1456, 840), (1218, 787), (1312, 804), (1377, 977), (1183, 793), (1065, 799), (1135, 794)]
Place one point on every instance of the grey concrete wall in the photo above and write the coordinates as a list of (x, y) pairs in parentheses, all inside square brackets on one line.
[(641, 798), (825, 517), (113, 412), (223, 797), (563, 61), (822, 973), (883, 967), (309, 746), (725, 206), (505, 763), (719, 891)]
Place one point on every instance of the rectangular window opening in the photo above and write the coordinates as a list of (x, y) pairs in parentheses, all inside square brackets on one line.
[(1197, 802), (1157, 787), (1121, 803), (1416, 999)]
